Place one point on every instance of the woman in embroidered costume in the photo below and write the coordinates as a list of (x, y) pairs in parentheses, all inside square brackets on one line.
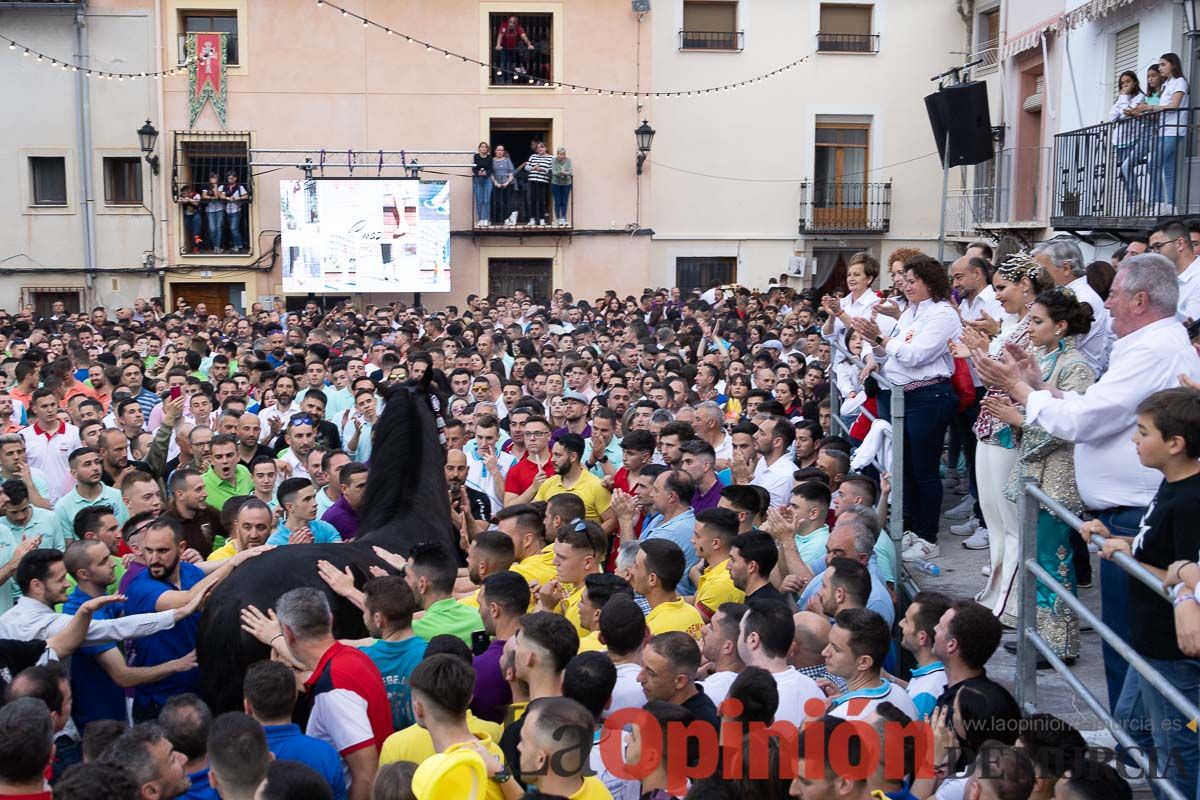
[(1017, 281), (1055, 319)]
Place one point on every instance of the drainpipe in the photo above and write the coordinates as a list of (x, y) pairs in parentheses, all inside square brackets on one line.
[(83, 127), (160, 207)]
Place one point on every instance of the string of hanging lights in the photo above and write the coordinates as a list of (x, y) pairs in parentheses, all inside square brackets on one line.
[(518, 77), (53, 62), (522, 78)]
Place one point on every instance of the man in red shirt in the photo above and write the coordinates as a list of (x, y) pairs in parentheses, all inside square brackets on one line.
[(526, 476), (508, 38), (350, 707)]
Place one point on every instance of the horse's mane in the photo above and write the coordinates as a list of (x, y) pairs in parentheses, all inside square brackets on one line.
[(406, 500)]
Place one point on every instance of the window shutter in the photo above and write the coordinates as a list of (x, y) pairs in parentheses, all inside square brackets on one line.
[(1125, 55)]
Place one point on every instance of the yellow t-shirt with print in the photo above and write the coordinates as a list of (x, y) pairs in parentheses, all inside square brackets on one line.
[(716, 587), (676, 615)]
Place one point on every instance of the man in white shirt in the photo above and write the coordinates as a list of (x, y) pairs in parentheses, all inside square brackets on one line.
[(487, 464), (774, 470), (858, 643), (764, 640), (49, 441), (1151, 353), (42, 579), (1064, 261), (275, 418), (719, 647), (624, 631), (1172, 241)]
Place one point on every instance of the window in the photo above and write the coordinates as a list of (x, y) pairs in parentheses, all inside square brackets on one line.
[(987, 40), (710, 25), (49, 177), (1125, 55), (522, 49), (840, 175), (703, 272), (846, 29), (199, 159), (43, 299), (123, 181), (210, 22), (533, 275)]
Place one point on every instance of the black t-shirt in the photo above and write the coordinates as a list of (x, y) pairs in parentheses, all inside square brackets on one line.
[(1168, 533), (509, 740), (768, 592), (1001, 702)]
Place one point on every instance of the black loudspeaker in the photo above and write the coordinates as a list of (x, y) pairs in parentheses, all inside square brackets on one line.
[(962, 111)]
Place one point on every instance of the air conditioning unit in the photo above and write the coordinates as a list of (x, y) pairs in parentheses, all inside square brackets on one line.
[(641, 6)]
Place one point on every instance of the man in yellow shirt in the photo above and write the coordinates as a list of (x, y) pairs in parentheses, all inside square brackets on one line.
[(597, 591), (715, 529), (253, 524), (655, 574), (579, 551), (556, 742), (533, 558), (570, 476), (441, 687)]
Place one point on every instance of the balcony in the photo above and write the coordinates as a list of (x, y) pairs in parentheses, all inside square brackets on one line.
[(1105, 176), (845, 207), (518, 206), (522, 55), (847, 42), (711, 40), (990, 205)]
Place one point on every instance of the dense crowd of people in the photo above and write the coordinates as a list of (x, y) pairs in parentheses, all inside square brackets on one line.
[(667, 530)]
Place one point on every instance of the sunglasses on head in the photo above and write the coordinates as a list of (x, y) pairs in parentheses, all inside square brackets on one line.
[(301, 419)]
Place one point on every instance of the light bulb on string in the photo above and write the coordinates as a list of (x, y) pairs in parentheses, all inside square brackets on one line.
[(12, 45), (365, 23)]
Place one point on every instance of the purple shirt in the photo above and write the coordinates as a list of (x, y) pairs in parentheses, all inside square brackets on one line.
[(342, 517), (709, 499), (587, 433), (135, 569), (492, 694)]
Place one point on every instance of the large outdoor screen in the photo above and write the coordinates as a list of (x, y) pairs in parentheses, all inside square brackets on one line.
[(355, 235)]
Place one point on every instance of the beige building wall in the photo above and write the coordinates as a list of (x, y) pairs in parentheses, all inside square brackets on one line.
[(44, 244), (309, 78), (727, 167)]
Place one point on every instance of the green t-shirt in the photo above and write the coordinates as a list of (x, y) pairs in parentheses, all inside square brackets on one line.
[(448, 616)]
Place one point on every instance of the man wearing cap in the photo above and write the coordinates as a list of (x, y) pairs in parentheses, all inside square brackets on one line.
[(575, 408)]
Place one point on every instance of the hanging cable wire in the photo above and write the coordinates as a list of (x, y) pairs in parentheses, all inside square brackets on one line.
[(66, 66)]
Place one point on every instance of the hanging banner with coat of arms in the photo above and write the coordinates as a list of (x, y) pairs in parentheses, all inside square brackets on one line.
[(206, 74)]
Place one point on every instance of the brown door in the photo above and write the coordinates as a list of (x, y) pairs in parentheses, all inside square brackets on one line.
[(213, 294)]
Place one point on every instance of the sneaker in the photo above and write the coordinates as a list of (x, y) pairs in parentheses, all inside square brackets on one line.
[(921, 549), (978, 540), (986, 571), (512, 219), (965, 529), (908, 540), (963, 510)]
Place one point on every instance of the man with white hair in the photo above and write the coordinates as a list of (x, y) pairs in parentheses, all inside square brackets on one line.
[(1063, 260), (1151, 353), (709, 423)]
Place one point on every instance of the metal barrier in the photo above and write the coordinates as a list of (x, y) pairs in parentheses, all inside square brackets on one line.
[(1030, 643)]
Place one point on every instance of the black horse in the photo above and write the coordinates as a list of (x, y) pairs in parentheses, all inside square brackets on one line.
[(406, 504)]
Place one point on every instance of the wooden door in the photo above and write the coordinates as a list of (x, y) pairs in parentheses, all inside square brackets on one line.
[(213, 294)]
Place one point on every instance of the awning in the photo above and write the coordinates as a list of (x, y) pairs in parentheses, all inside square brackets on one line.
[(1088, 12)]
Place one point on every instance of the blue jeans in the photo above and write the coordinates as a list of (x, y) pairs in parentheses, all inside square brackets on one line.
[(483, 196), (235, 228), (1162, 167), (562, 197), (927, 414), (1175, 746), (216, 221), (195, 227)]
